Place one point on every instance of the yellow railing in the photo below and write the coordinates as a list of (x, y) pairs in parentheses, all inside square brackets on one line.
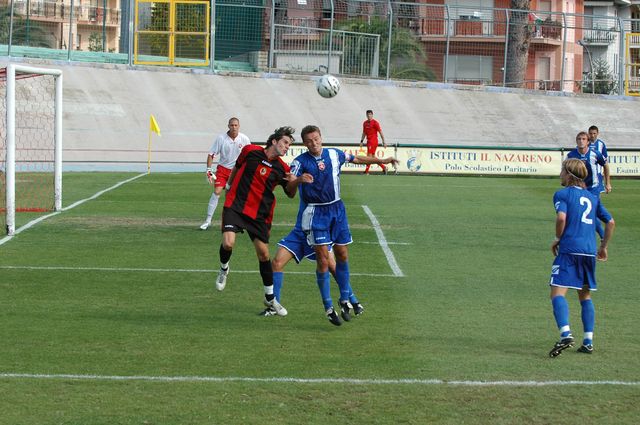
[(172, 32), (632, 65)]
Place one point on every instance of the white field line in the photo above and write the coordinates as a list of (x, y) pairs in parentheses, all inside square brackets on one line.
[(388, 243), (152, 270), (383, 243), (75, 204), (314, 380)]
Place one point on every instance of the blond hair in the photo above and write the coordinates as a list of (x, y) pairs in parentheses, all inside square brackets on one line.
[(577, 171)]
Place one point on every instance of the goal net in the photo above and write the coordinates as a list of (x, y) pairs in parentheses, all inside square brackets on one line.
[(30, 143)]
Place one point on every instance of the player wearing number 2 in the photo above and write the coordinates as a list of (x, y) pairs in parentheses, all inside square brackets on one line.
[(575, 249), (228, 146)]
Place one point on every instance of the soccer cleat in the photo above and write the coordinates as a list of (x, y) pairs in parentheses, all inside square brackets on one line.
[(333, 317), (274, 304), (268, 312), (358, 309), (586, 349), (221, 281), (205, 225), (560, 346), (345, 310)]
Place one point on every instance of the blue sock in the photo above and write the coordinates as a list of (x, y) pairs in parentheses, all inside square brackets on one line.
[(561, 313), (322, 279), (588, 320), (342, 277), (278, 280)]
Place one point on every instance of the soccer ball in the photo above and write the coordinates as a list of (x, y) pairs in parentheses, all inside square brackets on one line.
[(328, 86)]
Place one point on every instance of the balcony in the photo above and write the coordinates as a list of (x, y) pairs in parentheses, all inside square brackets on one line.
[(599, 37), (51, 11)]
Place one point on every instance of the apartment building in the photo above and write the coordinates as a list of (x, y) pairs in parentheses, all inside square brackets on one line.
[(84, 27)]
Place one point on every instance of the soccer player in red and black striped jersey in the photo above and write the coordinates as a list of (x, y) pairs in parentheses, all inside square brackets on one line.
[(250, 202)]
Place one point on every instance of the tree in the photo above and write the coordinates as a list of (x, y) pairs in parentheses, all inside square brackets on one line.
[(25, 32), (95, 42), (603, 80), (408, 57), (519, 38)]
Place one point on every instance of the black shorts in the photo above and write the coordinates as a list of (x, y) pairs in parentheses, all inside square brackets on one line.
[(233, 221)]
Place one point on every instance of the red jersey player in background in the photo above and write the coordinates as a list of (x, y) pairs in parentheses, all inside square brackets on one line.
[(370, 130)]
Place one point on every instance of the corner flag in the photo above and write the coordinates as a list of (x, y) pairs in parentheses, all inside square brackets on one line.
[(155, 128), (153, 125)]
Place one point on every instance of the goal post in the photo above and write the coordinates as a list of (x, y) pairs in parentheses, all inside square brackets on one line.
[(30, 108)]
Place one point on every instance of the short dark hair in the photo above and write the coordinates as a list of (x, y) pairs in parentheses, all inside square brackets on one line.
[(233, 119), (593, 127), (279, 133), (309, 129), (369, 111)]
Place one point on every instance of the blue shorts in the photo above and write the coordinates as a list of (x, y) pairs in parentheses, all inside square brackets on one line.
[(326, 224), (574, 271), (296, 243)]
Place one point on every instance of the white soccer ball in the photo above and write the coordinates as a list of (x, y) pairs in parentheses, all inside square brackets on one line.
[(328, 86)]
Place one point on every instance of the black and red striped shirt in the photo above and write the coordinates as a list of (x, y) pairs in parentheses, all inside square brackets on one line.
[(251, 191)]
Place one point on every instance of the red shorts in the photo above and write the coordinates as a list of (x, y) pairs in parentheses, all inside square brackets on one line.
[(371, 147), (222, 176)]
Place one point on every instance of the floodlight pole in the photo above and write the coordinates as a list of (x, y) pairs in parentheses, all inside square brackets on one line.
[(593, 74)]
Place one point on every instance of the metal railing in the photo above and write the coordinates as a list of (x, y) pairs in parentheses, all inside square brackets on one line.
[(361, 38)]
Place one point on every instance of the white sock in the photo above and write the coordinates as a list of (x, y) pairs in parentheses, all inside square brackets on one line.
[(213, 203)]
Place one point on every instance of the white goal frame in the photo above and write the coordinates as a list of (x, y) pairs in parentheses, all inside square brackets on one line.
[(10, 177)]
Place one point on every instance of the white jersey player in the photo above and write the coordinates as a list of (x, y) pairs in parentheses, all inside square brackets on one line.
[(227, 147)]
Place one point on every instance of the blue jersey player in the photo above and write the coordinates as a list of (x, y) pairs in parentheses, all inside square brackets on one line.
[(598, 145), (295, 246), (324, 220), (593, 160), (577, 211)]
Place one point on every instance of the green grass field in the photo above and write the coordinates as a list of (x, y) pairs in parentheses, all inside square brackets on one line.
[(119, 292)]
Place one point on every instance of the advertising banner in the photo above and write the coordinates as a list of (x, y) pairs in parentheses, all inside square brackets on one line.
[(624, 163), (479, 161)]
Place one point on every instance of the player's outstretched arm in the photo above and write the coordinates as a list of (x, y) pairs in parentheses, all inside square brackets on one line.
[(373, 160)]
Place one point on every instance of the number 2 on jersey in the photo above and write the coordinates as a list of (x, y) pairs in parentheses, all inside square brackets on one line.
[(585, 214)]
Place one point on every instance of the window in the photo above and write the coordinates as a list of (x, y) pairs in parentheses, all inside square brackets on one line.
[(545, 6), (588, 18), (470, 68), (471, 9)]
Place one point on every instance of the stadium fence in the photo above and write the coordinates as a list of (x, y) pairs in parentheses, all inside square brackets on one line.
[(456, 42)]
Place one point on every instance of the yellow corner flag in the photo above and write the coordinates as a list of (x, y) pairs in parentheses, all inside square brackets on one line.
[(153, 125), (155, 128)]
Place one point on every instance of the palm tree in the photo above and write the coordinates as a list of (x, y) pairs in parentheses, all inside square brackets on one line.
[(408, 57)]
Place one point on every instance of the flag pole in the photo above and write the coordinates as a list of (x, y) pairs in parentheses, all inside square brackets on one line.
[(153, 128), (149, 153)]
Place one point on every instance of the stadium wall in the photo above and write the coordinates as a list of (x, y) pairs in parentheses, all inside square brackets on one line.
[(107, 109)]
